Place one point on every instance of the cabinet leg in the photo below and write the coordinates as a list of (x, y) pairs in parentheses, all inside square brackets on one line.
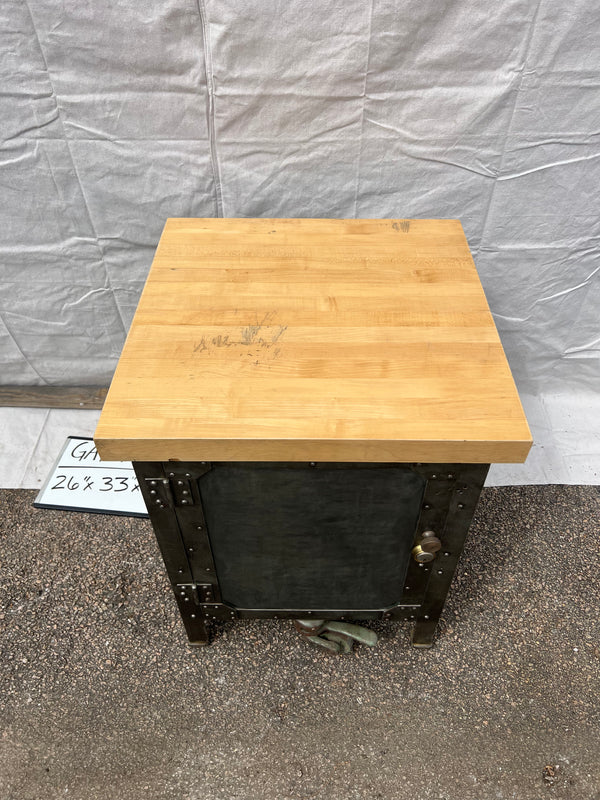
[(191, 615), (423, 633), (197, 630), (198, 636)]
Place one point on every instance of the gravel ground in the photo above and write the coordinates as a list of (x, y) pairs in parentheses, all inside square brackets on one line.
[(100, 696)]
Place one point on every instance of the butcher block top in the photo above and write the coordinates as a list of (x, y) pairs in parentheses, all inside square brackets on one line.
[(313, 340)]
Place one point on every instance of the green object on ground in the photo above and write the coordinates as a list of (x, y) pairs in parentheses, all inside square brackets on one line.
[(335, 636)]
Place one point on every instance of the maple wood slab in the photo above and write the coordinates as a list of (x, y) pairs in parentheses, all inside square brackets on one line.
[(313, 339)]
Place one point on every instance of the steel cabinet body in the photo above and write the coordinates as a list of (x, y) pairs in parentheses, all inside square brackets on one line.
[(311, 407)]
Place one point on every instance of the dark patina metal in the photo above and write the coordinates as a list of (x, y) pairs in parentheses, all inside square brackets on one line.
[(197, 510)]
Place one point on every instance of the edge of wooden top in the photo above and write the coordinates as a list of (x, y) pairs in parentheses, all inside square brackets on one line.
[(405, 224), (320, 450), (191, 221)]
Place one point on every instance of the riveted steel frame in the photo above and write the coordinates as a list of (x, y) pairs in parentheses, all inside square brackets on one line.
[(172, 495), (463, 498)]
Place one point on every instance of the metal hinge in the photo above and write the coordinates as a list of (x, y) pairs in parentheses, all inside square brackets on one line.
[(170, 492)]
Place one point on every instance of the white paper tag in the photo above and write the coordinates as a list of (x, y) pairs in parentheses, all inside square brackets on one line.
[(80, 481)]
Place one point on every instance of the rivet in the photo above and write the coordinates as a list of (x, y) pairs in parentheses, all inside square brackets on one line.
[(406, 588), (185, 491), (165, 481), (461, 505), (412, 616), (172, 474), (187, 475), (433, 477), (152, 491), (152, 483), (180, 570), (425, 616), (179, 483), (187, 599), (203, 463), (184, 502), (420, 565), (158, 502), (312, 463), (450, 476), (182, 594), (207, 569), (440, 572), (447, 553), (199, 527), (426, 506), (191, 550), (192, 616)]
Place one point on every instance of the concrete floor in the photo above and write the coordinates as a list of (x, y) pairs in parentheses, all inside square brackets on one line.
[(100, 697)]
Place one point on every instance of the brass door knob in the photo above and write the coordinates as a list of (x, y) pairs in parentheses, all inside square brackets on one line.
[(427, 548)]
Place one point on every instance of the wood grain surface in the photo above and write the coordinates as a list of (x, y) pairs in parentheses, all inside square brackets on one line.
[(302, 339), (53, 396)]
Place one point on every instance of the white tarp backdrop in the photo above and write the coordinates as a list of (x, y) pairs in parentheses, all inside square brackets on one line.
[(116, 116)]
